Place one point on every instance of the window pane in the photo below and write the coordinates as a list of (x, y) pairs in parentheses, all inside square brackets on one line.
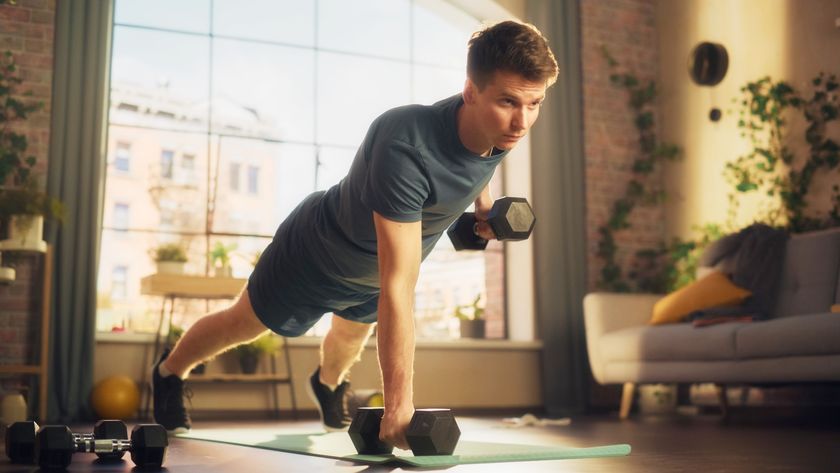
[(333, 164), (122, 161), (159, 79), (283, 21), (447, 280), (234, 176), (286, 175), (441, 34), (263, 90), (377, 27), (346, 107), (436, 83), (121, 216), (182, 15), (253, 179), (180, 195)]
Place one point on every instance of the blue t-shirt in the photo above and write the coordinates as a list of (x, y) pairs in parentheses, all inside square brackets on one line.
[(411, 166)]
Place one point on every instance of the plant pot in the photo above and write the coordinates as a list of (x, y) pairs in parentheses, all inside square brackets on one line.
[(170, 267), (472, 328), (7, 274), (248, 363), (26, 232), (223, 271), (658, 398)]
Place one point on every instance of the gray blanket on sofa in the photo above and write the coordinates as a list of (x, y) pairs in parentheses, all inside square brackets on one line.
[(752, 258)]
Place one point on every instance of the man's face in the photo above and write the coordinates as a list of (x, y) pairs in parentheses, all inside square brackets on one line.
[(507, 107)]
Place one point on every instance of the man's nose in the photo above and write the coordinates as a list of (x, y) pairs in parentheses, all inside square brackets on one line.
[(518, 120)]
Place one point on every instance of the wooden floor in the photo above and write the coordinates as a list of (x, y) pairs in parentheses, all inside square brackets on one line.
[(684, 444)]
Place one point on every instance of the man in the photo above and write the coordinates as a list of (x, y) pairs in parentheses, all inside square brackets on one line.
[(355, 250)]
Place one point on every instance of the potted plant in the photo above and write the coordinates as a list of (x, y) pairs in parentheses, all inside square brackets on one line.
[(23, 205), (220, 259), (472, 319), (249, 354), (170, 258)]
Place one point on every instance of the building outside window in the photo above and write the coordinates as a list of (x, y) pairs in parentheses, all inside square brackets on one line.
[(288, 86)]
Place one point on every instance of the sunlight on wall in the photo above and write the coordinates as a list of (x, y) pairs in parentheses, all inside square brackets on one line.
[(754, 33)]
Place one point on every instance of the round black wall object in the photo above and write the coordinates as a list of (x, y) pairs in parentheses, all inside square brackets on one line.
[(714, 114), (708, 63)]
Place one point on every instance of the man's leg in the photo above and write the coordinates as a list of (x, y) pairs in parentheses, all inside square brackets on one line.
[(214, 334), (342, 348), (208, 337)]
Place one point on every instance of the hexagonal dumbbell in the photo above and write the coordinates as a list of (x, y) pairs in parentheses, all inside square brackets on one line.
[(430, 432), (20, 440), (511, 218), (56, 444)]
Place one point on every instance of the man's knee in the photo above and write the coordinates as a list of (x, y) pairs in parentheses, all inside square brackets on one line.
[(349, 330), (242, 315)]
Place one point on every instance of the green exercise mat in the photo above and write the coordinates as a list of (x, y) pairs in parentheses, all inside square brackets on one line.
[(339, 446)]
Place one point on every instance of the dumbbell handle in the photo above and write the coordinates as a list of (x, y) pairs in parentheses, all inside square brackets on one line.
[(91, 445)]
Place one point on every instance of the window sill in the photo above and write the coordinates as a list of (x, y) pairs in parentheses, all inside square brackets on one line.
[(454, 344)]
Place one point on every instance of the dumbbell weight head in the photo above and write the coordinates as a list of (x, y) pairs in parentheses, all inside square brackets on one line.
[(512, 219), (54, 446), (148, 445), (110, 429), (433, 432), (364, 432), (20, 442), (462, 234)]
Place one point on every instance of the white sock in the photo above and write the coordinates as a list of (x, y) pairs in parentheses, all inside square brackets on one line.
[(163, 371), (331, 386)]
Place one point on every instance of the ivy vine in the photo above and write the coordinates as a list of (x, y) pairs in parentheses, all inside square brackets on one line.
[(771, 166), (642, 189)]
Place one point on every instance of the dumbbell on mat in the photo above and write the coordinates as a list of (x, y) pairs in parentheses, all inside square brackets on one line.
[(430, 432), (56, 444), (511, 218), (20, 439)]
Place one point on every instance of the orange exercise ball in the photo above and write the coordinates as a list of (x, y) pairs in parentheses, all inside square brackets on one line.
[(115, 397)]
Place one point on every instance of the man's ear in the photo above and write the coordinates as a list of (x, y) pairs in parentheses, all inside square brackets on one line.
[(469, 92)]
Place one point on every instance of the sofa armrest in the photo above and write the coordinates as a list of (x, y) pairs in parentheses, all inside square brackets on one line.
[(607, 312)]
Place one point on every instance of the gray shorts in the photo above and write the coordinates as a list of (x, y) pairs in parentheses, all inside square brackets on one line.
[(290, 291)]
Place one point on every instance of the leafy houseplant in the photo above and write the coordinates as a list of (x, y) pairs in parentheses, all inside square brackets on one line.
[(472, 319), (23, 205), (220, 258), (170, 258), (249, 353)]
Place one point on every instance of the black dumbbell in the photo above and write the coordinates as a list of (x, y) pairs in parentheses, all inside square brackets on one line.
[(430, 432), (56, 444), (20, 439), (511, 218)]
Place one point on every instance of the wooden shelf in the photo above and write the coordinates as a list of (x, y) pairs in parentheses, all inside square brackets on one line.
[(191, 286), (20, 369), (238, 378)]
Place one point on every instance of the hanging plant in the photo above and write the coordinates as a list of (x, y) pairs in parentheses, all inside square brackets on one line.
[(642, 189)]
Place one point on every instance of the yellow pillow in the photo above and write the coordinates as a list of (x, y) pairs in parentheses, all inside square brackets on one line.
[(714, 290)]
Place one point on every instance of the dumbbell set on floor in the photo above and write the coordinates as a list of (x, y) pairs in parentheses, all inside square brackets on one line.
[(430, 432), (511, 218), (52, 446)]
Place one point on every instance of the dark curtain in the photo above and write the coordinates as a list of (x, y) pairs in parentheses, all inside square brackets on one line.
[(559, 202), (76, 176)]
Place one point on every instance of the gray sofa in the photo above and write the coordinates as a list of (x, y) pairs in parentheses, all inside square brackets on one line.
[(800, 343)]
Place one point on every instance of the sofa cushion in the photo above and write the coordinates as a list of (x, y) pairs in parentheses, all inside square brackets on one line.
[(674, 342), (810, 272), (712, 290), (816, 334)]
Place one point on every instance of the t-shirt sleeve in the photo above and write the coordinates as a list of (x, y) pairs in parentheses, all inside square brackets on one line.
[(397, 185)]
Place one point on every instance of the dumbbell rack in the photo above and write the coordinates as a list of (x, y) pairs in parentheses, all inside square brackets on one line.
[(40, 369)]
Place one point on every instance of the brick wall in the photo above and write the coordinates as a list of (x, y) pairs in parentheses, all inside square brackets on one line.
[(26, 29), (628, 30)]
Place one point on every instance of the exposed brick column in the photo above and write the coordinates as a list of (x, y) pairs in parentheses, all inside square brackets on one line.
[(628, 30), (27, 30)]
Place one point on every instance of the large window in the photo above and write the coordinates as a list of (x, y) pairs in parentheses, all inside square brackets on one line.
[(229, 112)]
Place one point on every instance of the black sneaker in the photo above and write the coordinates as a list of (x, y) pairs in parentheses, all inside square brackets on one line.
[(332, 405), (169, 394)]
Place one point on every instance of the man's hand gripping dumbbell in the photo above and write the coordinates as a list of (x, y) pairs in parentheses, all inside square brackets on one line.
[(510, 219)]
